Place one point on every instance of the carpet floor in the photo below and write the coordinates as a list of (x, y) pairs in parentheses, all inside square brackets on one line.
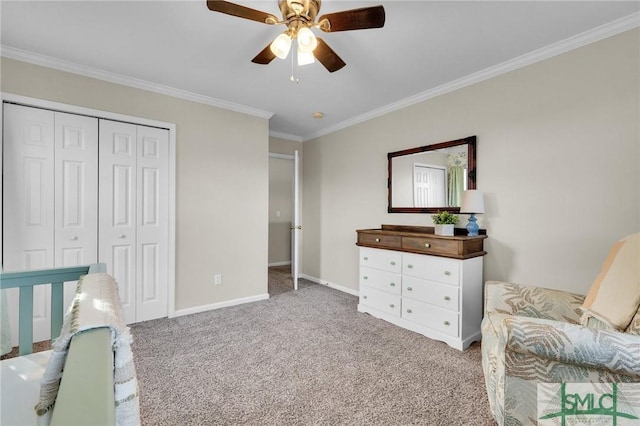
[(302, 358)]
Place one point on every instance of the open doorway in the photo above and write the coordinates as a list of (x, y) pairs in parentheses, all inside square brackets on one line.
[(284, 223)]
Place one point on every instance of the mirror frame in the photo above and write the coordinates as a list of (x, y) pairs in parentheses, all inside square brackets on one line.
[(471, 173)]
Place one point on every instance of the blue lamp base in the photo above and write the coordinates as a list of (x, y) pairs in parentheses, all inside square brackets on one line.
[(472, 226)]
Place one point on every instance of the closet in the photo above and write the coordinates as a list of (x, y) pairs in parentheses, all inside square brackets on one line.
[(133, 200), (80, 189)]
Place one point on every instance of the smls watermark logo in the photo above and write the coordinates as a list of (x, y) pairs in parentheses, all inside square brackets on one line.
[(564, 404)]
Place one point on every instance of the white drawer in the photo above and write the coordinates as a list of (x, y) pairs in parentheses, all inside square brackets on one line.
[(442, 295), (382, 280), (380, 300), (381, 259), (432, 268), (430, 316)]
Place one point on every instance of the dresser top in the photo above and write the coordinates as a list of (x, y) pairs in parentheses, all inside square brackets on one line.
[(460, 233), (422, 240)]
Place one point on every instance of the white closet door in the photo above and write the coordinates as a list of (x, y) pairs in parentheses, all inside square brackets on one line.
[(134, 215), (117, 216), (152, 223), (429, 185), (76, 196), (28, 205)]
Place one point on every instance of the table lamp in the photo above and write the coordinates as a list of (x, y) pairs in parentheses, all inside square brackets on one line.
[(472, 203)]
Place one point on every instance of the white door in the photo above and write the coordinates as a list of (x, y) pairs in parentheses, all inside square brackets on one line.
[(133, 228), (297, 227), (152, 223), (76, 193), (429, 185), (28, 204), (50, 166), (117, 217)]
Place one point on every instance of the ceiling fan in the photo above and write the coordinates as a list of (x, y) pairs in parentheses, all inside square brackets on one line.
[(299, 16)]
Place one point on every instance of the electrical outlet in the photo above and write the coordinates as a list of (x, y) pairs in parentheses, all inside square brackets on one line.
[(217, 279)]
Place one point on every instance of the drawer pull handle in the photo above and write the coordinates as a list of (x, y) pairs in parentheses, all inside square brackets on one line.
[(366, 258), (447, 273), (377, 240), (364, 297), (393, 263), (365, 278), (447, 298), (427, 245), (409, 288), (446, 323), (409, 311), (392, 284), (392, 305), (410, 266), (74, 238)]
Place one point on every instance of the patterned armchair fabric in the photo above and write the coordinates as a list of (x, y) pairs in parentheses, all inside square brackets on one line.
[(533, 335)]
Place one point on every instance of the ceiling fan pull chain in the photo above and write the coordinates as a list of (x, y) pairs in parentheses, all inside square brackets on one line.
[(293, 78)]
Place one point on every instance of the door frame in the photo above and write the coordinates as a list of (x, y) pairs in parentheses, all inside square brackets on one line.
[(297, 214), (171, 127)]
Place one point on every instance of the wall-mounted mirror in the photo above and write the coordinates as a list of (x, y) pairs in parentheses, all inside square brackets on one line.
[(431, 178)]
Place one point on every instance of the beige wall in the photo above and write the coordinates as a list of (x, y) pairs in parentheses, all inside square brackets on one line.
[(221, 173), (280, 209), (285, 146), (558, 161)]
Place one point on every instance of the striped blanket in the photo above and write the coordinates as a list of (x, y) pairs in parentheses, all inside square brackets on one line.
[(96, 304)]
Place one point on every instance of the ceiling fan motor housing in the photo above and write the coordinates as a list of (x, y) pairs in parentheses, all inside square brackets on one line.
[(305, 9)]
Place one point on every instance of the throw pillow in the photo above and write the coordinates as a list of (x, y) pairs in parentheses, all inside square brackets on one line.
[(614, 296)]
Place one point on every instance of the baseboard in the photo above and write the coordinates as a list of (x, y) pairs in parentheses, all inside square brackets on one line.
[(330, 284), (226, 304), (286, 262)]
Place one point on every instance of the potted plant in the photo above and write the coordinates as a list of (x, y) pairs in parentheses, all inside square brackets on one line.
[(444, 222)]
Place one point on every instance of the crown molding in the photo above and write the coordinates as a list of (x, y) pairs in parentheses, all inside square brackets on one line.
[(286, 136), (71, 67), (599, 33)]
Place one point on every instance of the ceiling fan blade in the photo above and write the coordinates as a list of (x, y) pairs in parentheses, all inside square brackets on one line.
[(241, 11), (354, 19), (265, 56), (327, 57)]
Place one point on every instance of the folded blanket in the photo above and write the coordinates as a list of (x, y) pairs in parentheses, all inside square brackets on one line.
[(96, 304)]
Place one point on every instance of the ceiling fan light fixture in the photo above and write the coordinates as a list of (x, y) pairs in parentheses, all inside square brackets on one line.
[(281, 45), (307, 41), (305, 58)]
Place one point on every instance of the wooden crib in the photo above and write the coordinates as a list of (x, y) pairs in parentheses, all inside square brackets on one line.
[(86, 393)]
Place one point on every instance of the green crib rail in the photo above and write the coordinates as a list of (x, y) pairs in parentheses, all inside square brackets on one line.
[(26, 280)]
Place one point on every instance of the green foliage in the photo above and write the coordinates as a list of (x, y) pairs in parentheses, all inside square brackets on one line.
[(444, 218)]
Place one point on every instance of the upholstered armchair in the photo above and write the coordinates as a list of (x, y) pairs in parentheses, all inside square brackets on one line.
[(533, 335)]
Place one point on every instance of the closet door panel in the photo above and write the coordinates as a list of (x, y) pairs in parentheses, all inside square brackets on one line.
[(28, 236), (152, 221), (76, 197), (117, 215), (28, 188)]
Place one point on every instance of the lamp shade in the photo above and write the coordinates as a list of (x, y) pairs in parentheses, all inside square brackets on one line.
[(305, 58), (472, 202), (281, 45), (306, 40)]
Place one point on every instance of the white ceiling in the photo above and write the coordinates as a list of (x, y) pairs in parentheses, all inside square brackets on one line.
[(425, 47)]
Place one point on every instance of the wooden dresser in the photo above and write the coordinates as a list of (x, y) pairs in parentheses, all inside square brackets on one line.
[(423, 282)]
